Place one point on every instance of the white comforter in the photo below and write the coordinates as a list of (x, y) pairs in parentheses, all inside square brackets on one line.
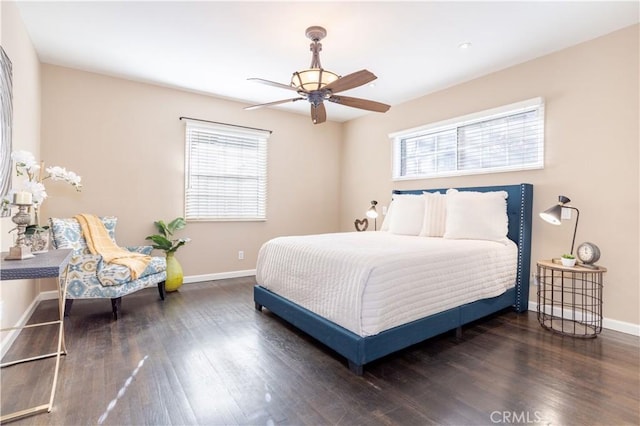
[(368, 282)]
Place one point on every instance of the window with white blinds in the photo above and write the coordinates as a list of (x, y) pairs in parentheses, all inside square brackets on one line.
[(226, 172), (502, 139)]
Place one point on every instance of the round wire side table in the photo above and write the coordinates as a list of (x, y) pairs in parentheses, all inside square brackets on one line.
[(570, 299)]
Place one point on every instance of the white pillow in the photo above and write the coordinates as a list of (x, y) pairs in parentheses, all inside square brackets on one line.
[(408, 214), (435, 214), (476, 215)]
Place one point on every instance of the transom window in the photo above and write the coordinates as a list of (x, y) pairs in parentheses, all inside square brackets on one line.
[(226, 172), (507, 138)]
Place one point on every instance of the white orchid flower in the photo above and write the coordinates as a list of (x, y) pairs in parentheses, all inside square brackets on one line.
[(57, 173), (26, 164), (24, 159)]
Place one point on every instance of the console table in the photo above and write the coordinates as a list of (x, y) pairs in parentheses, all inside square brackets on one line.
[(51, 264)]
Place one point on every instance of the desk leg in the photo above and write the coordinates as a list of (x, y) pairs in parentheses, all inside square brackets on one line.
[(62, 297), (24, 413)]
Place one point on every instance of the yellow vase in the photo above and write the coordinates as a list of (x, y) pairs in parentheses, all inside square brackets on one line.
[(175, 275)]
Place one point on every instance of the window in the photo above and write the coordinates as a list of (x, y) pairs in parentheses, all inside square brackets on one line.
[(503, 139), (226, 172)]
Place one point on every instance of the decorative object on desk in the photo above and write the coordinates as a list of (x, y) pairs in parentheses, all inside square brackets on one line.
[(37, 238), (163, 241), (21, 250), (32, 183), (589, 254), (6, 121), (372, 213), (554, 214), (568, 260), (361, 225)]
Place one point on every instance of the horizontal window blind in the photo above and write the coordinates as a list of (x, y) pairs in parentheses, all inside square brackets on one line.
[(508, 138), (226, 172)]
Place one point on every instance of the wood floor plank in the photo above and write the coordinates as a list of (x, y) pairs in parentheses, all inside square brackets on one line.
[(204, 356)]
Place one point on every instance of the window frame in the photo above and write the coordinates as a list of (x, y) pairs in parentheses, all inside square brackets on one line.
[(454, 124), (260, 137)]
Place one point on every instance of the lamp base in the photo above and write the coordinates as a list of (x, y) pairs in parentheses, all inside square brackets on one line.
[(19, 253)]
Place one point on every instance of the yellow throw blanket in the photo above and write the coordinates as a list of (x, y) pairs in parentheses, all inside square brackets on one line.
[(99, 242)]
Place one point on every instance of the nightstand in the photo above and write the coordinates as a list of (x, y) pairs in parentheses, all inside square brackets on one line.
[(570, 299)]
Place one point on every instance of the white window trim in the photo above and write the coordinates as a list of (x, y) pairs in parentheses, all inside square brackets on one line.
[(489, 114), (231, 130)]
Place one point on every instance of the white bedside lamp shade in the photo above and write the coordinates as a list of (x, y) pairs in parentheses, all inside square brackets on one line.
[(372, 213)]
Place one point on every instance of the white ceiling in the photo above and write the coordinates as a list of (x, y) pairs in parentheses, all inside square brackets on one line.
[(213, 47)]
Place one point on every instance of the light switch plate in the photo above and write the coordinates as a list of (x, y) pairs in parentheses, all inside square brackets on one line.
[(566, 214)]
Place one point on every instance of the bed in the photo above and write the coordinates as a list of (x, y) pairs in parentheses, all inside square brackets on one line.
[(366, 325)]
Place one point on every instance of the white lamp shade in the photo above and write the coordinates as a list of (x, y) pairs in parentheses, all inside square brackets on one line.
[(552, 214), (372, 213)]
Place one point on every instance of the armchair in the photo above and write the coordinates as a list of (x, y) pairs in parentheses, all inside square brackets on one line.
[(89, 277)]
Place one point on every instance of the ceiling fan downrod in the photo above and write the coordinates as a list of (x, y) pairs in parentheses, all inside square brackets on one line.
[(316, 34)]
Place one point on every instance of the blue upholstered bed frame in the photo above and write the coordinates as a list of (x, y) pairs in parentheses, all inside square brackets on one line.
[(362, 350)]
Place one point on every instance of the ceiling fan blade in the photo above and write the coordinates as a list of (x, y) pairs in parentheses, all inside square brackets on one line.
[(318, 113), (360, 103), (284, 101), (351, 81), (273, 83)]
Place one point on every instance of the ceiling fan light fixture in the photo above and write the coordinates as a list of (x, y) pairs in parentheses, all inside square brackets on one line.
[(316, 85), (312, 79)]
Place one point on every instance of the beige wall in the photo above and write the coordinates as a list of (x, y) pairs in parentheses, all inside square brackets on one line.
[(126, 141), (16, 296), (591, 153)]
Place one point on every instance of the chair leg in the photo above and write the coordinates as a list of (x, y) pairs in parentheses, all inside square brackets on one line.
[(67, 307), (115, 306), (161, 289)]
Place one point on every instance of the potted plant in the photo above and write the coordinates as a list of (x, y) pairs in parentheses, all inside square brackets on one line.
[(568, 260), (164, 241)]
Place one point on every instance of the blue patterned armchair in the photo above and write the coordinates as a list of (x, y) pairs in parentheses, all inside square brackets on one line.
[(89, 277)]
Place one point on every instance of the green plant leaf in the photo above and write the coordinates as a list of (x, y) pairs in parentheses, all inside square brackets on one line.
[(176, 225), (161, 242), (162, 228)]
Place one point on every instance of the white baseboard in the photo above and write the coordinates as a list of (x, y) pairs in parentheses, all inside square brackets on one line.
[(609, 324), (48, 295), (218, 276), (53, 294)]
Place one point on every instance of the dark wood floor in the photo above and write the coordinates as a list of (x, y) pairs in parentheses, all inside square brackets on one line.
[(205, 356)]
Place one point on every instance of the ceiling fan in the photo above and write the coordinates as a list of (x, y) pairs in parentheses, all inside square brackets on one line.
[(317, 85)]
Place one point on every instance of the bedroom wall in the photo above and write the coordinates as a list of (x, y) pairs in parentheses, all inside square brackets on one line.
[(17, 296), (126, 141), (591, 153)]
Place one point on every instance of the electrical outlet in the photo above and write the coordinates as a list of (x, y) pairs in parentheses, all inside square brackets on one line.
[(384, 210), (241, 255), (566, 214)]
